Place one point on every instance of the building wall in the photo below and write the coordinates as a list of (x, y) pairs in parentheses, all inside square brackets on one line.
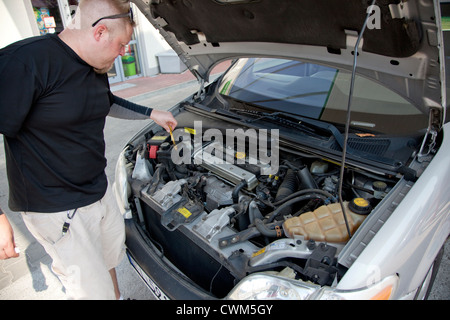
[(151, 43), (15, 21)]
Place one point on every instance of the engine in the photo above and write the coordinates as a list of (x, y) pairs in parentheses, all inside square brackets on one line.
[(291, 218)]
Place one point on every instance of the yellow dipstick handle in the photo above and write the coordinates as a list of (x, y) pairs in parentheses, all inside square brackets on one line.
[(173, 140)]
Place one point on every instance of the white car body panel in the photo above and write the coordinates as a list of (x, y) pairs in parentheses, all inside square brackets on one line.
[(411, 236)]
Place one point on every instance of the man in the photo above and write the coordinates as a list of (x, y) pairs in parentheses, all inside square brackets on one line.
[(54, 99)]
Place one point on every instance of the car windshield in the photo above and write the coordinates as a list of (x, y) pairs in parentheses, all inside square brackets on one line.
[(320, 92)]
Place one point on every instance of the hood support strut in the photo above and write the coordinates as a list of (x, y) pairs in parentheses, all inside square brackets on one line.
[(347, 123)]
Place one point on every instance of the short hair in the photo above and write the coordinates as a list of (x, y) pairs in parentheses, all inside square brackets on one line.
[(92, 10)]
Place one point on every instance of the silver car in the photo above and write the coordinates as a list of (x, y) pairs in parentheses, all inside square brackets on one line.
[(315, 167)]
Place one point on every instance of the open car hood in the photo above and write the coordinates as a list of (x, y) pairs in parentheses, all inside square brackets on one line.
[(401, 46)]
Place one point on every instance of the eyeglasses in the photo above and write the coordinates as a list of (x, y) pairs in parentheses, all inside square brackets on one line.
[(129, 14)]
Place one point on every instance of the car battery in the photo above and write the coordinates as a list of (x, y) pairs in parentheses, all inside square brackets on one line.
[(154, 143)]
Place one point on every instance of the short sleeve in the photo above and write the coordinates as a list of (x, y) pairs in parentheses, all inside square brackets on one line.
[(18, 89)]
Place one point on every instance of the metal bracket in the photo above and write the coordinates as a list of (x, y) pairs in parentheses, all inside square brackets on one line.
[(213, 223), (429, 140), (200, 95)]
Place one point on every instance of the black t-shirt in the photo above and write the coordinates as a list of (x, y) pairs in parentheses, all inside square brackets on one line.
[(52, 115)]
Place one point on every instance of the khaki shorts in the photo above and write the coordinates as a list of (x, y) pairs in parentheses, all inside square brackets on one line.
[(93, 245)]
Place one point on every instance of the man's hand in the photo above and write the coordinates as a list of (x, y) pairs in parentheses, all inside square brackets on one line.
[(7, 245), (164, 118)]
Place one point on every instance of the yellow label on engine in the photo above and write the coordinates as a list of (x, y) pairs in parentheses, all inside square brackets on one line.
[(185, 212), (190, 130), (240, 155), (159, 138), (257, 253)]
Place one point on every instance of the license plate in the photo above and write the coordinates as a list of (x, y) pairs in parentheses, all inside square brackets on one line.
[(155, 290)]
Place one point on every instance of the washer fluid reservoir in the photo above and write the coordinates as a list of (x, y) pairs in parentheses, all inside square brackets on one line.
[(327, 223)]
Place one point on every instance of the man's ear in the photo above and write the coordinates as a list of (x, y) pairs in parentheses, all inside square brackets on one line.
[(99, 32)]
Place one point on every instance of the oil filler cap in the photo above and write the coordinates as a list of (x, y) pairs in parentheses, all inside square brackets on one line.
[(360, 206)]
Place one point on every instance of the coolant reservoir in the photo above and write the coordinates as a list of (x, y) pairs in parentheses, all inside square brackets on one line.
[(327, 223)]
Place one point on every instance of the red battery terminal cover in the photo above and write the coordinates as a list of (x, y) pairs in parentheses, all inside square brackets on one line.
[(154, 142), (152, 151)]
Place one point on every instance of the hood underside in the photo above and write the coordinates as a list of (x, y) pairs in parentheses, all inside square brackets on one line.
[(400, 47)]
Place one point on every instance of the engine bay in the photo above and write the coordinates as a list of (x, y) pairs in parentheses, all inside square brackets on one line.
[(244, 221)]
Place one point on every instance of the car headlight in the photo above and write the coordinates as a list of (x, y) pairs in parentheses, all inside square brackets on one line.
[(121, 186), (268, 287)]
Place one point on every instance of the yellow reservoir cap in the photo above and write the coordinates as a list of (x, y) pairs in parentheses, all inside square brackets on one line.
[(360, 206)]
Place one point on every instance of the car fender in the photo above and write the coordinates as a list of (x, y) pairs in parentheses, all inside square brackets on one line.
[(411, 238)]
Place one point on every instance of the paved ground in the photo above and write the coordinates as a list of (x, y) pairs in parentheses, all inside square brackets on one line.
[(29, 276)]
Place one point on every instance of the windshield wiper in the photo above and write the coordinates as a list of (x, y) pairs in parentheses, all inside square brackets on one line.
[(307, 125)]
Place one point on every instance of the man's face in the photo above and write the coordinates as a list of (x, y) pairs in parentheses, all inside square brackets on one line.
[(112, 48)]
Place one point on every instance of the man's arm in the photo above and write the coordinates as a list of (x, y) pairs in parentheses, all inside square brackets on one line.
[(125, 109), (7, 245)]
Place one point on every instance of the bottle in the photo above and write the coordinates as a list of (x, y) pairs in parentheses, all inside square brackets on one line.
[(327, 223)]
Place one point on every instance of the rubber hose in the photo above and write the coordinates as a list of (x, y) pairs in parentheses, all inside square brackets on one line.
[(306, 179), (264, 229), (290, 202), (287, 187), (306, 191), (235, 194)]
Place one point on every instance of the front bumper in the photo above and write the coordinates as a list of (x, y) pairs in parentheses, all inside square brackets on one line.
[(166, 282)]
